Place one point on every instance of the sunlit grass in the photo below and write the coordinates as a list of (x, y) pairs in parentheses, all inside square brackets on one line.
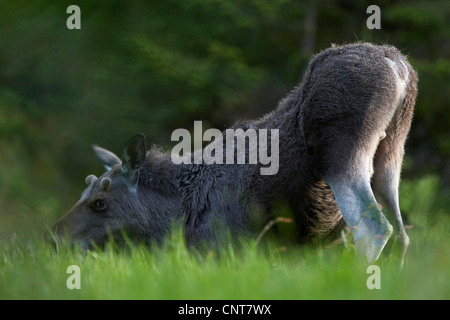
[(30, 269)]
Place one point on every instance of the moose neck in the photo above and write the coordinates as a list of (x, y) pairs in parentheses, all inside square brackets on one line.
[(158, 181)]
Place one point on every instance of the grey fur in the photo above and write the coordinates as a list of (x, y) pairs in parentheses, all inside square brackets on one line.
[(342, 127)]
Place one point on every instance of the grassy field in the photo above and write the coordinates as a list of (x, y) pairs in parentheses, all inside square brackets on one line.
[(29, 269)]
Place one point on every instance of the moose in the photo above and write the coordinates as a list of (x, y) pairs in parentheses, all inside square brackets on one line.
[(342, 132)]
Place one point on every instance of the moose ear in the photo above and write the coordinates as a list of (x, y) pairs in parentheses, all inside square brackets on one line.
[(133, 154), (106, 157)]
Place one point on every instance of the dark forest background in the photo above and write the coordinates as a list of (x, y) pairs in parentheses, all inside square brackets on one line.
[(154, 66)]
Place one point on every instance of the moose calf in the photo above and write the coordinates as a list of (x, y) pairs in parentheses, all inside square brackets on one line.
[(342, 132)]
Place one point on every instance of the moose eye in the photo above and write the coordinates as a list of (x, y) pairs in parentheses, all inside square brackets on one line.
[(99, 204)]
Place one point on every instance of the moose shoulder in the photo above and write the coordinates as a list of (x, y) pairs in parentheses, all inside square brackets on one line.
[(341, 131)]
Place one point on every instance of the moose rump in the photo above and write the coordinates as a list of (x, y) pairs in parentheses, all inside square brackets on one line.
[(356, 115)]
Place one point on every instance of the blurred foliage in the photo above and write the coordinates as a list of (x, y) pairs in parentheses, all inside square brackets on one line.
[(154, 66)]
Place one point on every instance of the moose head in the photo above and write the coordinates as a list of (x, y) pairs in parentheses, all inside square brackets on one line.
[(127, 199)]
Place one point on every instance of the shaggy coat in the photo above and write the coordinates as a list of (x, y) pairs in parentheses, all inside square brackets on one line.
[(342, 132)]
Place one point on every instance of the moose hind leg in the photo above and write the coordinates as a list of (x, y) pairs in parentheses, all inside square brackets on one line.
[(385, 182), (388, 161), (356, 201)]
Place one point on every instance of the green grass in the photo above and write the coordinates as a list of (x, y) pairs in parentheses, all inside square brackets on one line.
[(29, 269)]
